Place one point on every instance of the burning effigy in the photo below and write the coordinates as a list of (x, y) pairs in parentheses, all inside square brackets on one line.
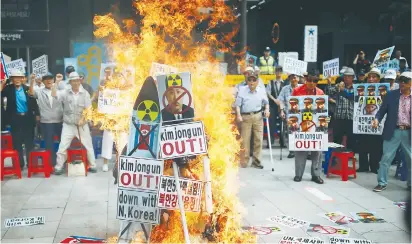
[(199, 111)]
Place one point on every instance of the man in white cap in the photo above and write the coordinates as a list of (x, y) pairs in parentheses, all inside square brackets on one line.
[(267, 63), (397, 130), (75, 100), (390, 77), (22, 112)]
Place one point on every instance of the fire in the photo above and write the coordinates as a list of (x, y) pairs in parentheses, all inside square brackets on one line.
[(165, 36)]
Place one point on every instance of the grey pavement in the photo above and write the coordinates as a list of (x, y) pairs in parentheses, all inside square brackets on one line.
[(87, 205)]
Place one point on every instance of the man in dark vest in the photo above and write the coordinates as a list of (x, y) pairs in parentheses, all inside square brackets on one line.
[(273, 89)]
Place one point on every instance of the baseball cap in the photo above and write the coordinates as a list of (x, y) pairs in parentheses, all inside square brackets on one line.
[(362, 72), (47, 76), (406, 74), (390, 74), (74, 76), (402, 59), (279, 69), (70, 69), (267, 49), (253, 74)]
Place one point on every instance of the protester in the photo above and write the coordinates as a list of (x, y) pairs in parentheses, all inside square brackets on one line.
[(362, 76), (38, 82), (85, 85), (342, 95), (75, 100), (249, 103), (284, 95), (267, 63), (309, 88), (396, 61), (62, 84), (246, 74), (370, 146), (22, 111), (390, 77), (360, 62), (51, 113), (403, 67), (397, 129), (273, 90)]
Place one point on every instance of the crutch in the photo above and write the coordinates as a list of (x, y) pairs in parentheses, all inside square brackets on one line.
[(281, 136), (270, 144)]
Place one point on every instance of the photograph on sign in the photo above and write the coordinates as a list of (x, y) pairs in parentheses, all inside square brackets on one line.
[(191, 194), (294, 66), (310, 43), (367, 217), (24, 221), (137, 206), (339, 218), (263, 230), (331, 68), (106, 71), (40, 65), (175, 94), (161, 69), (140, 173), (300, 240), (17, 64), (382, 59), (283, 55), (181, 140), (288, 221), (342, 240), (328, 230), (368, 100)]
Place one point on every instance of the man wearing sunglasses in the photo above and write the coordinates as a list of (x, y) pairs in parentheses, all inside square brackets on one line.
[(397, 130), (249, 102), (309, 88)]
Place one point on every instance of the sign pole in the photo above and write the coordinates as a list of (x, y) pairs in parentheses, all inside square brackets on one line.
[(181, 205), (208, 185), (270, 144)]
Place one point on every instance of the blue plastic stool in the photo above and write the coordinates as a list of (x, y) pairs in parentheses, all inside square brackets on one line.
[(402, 169), (97, 145)]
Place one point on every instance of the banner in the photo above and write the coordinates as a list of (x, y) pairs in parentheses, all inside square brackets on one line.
[(331, 68), (382, 59), (24, 221), (139, 173), (300, 240), (283, 55), (161, 69), (3, 68), (137, 206), (16, 64), (294, 66), (311, 43), (40, 65), (340, 240), (182, 140), (191, 194), (308, 123), (368, 100)]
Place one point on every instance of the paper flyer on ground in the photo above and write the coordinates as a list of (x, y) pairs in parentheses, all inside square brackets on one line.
[(338, 218), (300, 240), (340, 240), (24, 221), (367, 217), (401, 205), (328, 230), (288, 221), (264, 230)]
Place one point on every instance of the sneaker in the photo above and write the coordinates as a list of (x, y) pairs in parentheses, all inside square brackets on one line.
[(379, 188), (92, 170), (258, 166), (291, 155), (58, 171), (105, 168)]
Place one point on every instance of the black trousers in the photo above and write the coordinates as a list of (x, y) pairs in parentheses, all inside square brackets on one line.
[(344, 127), (49, 130), (370, 152), (22, 131)]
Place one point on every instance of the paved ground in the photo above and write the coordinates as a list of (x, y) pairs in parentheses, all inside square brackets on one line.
[(86, 206)]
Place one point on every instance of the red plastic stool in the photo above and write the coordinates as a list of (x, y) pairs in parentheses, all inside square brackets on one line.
[(13, 170), (74, 154), (34, 166), (341, 167), (75, 143), (6, 141)]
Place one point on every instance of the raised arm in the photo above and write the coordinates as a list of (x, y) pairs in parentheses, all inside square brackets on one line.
[(31, 87)]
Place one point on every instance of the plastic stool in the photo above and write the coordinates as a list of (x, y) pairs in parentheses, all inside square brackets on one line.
[(6, 141), (34, 166), (74, 154), (339, 164), (97, 145), (13, 170), (76, 143)]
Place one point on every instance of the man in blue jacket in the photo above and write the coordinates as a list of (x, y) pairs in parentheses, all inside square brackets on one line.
[(397, 131)]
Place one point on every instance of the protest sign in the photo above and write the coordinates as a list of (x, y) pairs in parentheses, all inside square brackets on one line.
[(251, 60), (283, 55), (339, 240), (16, 64), (161, 69), (106, 71), (401, 205), (82, 239), (311, 43), (191, 194), (288, 221), (3, 68), (368, 100), (382, 59), (328, 230), (40, 65), (139, 173), (367, 217), (331, 68), (181, 140), (300, 240), (308, 123), (294, 66), (113, 101), (137, 206), (24, 221), (338, 218), (263, 230)]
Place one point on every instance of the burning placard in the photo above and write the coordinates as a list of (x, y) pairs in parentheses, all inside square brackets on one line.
[(24, 221), (40, 65), (300, 240), (191, 194), (161, 69), (139, 173), (137, 206), (368, 100), (340, 240), (182, 140)]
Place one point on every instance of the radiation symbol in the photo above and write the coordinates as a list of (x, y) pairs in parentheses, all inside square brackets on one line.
[(147, 111), (174, 80), (307, 116), (371, 100), (343, 232)]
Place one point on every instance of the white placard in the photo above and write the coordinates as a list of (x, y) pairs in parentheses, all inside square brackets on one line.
[(40, 65), (294, 66), (343, 240), (140, 173), (182, 140), (137, 206), (331, 68), (283, 55), (191, 194), (161, 69), (308, 141), (16, 64), (113, 101), (24, 221), (311, 43)]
